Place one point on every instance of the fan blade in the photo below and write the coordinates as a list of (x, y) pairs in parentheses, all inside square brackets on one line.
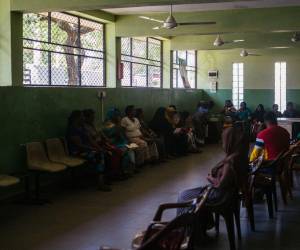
[(238, 41), (151, 19), (157, 28), (196, 23)]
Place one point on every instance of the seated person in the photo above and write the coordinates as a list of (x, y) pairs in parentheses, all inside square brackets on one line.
[(114, 133), (275, 110), (79, 145), (163, 124), (150, 135), (114, 154), (229, 109), (271, 141), (187, 127), (200, 121), (131, 126), (244, 113), (225, 178), (290, 111), (259, 113)]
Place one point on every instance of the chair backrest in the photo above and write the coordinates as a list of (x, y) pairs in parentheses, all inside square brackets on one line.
[(35, 153), (65, 143), (172, 235), (55, 149)]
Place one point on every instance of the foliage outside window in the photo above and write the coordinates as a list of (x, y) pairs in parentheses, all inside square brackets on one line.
[(184, 69), (62, 49), (142, 62), (237, 84)]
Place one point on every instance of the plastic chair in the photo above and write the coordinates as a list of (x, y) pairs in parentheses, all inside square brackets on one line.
[(56, 153), (174, 235), (38, 163), (8, 180)]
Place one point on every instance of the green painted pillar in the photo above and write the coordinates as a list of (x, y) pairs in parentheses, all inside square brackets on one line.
[(17, 48), (5, 44)]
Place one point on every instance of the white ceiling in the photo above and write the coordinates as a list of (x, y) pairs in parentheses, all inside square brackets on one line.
[(204, 7)]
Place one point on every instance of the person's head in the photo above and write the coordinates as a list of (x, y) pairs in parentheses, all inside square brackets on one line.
[(290, 106), (228, 103), (275, 107), (173, 106), (130, 111), (260, 108), (139, 114), (76, 118), (243, 105), (231, 139), (270, 119), (89, 116), (170, 112), (113, 115)]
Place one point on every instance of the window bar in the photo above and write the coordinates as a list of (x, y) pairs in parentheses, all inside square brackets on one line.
[(131, 68), (147, 67), (79, 56), (49, 53)]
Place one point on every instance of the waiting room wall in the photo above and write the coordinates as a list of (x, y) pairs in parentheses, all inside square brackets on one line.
[(259, 73), (34, 114)]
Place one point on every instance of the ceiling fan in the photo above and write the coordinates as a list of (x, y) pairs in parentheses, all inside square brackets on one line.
[(171, 23), (219, 41), (245, 53), (296, 37)]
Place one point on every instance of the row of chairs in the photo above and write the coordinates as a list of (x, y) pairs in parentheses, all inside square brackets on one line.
[(47, 157), (50, 157)]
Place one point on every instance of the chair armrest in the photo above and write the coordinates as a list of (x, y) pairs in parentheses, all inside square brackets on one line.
[(168, 206)]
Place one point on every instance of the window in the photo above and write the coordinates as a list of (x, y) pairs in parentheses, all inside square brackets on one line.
[(62, 50), (280, 85), (184, 69), (142, 62), (237, 84)]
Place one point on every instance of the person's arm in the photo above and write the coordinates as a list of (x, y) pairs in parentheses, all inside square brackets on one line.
[(258, 149), (224, 176)]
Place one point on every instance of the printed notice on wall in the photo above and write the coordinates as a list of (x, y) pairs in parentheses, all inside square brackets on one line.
[(213, 87)]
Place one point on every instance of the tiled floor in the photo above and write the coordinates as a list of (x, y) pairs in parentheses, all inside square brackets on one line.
[(86, 219)]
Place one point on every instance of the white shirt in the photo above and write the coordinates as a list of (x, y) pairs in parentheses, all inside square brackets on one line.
[(132, 128)]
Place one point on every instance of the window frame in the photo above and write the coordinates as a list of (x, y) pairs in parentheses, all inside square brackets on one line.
[(282, 106), (140, 63), (238, 82), (186, 58), (49, 52)]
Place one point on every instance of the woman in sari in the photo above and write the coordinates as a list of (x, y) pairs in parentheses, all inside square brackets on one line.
[(79, 145), (226, 177), (114, 133)]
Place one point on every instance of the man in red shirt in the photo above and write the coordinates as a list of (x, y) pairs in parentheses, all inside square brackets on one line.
[(271, 141)]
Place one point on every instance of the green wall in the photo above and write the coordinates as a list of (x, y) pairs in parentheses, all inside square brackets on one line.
[(258, 75), (34, 114), (5, 43)]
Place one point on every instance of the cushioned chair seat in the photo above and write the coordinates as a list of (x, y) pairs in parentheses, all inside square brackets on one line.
[(47, 166), (57, 153), (7, 180), (69, 161)]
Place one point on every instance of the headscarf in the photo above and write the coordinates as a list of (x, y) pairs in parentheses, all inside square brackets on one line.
[(112, 113)]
